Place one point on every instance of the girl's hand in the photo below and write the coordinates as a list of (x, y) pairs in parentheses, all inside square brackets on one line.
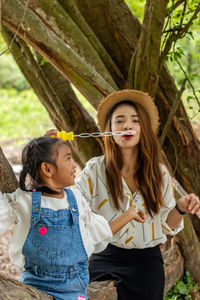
[(137, 216), (51, 132), (190, 203)]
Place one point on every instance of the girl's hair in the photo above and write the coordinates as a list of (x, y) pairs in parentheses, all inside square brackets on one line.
[(37, 151), (148, 176)]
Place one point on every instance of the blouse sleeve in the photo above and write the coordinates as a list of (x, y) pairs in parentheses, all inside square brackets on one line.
[(8, 208), (84, 181), (98, 230), (169, 203)]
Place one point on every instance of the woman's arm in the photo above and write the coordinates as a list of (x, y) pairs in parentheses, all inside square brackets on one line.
[(129, 215), (190, 204)]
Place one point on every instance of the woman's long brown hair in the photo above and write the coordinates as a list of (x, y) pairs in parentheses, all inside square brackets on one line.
[(148, 177)]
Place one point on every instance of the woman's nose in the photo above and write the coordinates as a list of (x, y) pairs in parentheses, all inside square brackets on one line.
[(127, 125)]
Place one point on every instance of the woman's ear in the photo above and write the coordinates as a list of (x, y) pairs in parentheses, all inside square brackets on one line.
[(47, 169)]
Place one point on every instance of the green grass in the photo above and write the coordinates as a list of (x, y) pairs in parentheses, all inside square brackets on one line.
[(22, 115)]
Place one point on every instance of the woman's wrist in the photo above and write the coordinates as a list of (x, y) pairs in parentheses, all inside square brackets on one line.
[(182, 213), (130, 214)]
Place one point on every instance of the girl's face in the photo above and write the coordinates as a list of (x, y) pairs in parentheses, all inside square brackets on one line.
[(125, 118), (66, 168)]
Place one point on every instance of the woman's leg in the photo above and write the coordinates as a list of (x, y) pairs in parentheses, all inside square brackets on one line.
[(138, 273)]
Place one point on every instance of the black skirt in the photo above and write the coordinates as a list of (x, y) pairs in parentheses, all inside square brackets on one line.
[(138, 273)]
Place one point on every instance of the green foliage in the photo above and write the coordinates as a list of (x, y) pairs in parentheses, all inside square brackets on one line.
[(182, 289), (183, 59), (186, 52), (181, 15), (22, 115), (137, 8), (175, 54), (43, 61), (86, 104), (10, 75)]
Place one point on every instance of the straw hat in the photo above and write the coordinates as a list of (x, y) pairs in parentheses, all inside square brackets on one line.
[(138, 97)]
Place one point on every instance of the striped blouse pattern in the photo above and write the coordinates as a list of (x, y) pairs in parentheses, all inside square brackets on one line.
[(92, 184)]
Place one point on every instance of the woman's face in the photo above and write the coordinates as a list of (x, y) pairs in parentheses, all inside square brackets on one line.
[(125, 118)]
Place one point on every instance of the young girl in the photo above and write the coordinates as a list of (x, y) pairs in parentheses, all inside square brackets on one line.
[(55, 229)]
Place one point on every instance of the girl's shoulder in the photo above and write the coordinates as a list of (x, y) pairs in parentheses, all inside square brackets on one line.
[(74, 190), (18, 193), (17, 199), (80, 199), (22, 195)]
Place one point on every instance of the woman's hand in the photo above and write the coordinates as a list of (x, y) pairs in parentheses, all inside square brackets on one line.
[(51, 132), (125, 218), (190, 204), (137, 216)]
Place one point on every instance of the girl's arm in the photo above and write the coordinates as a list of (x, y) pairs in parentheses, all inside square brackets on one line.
[(7, 211), (190, 204), (129, 215)]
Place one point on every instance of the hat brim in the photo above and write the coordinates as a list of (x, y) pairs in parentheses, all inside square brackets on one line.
[(138, 97)]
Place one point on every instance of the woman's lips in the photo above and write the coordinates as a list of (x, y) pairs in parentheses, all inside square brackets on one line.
[(127, 137)]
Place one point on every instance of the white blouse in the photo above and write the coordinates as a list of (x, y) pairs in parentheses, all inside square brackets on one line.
[(92, 184), (16, 208)]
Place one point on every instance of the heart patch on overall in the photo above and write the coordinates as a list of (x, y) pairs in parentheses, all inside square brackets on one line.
[(42, 230)]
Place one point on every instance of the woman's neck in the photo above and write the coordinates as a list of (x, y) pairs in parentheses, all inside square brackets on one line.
[(130, 160)]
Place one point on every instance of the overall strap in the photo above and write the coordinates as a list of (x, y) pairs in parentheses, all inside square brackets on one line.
[(36, 206), (72, 205)]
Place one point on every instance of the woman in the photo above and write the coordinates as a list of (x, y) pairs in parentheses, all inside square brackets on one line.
[(131, 173)]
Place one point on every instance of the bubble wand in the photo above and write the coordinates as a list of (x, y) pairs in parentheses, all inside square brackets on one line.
[(180, 190), (65, 136)]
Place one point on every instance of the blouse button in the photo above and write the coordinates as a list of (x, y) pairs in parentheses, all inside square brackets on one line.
[(36, 209), (73, 209)]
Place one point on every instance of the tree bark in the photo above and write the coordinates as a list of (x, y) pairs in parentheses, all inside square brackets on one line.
[(84, 76), (11, 289), (8, 180), (148, 48), (190, 247), (75, 117)]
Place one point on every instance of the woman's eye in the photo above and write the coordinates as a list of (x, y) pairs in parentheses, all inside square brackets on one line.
[(135, 121), (119, 121)]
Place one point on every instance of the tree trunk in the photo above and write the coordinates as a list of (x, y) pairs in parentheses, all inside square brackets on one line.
[(8, 181), (148, 48), (11, 289), (189, 245), (62, 105)]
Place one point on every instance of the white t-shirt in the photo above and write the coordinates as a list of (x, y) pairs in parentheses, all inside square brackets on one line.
[(92, 184), (16, 208)]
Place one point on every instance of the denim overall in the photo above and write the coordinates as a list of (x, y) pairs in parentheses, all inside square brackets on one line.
[(55, 258)]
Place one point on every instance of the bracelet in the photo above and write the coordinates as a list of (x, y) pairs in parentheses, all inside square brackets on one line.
[(183, 213)]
